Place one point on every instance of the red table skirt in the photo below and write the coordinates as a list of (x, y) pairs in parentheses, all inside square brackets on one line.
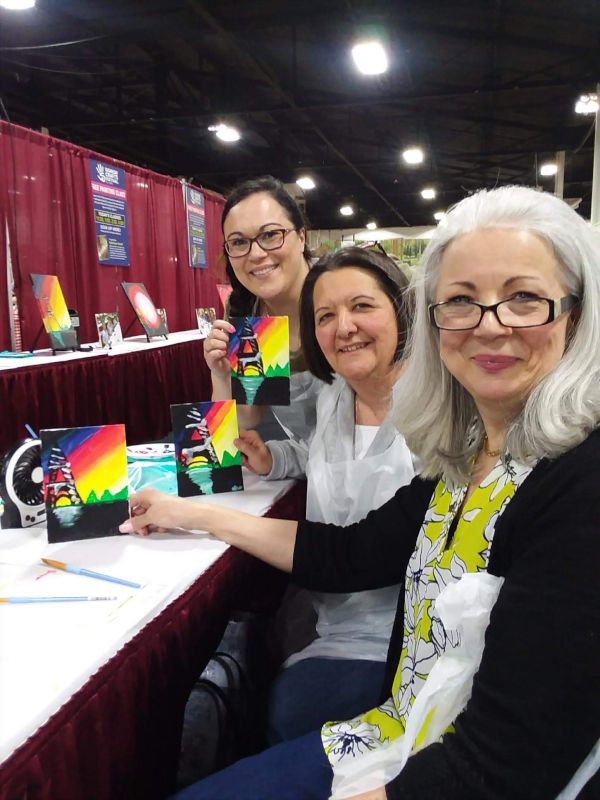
[(133, 388), (118, 737)]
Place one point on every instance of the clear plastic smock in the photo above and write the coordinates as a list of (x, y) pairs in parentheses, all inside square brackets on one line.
[(342, 490)]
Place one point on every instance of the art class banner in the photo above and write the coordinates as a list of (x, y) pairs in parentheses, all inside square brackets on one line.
[(196, 225), (110, 213)]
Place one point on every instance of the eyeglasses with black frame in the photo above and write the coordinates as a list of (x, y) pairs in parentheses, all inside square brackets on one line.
[(272, 239), (521, 311)]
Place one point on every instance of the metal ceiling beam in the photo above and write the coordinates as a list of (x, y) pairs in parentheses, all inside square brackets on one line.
[(256, 66), (342, 105)]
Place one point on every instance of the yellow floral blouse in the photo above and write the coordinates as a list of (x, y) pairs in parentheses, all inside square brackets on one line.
[(435, 562)]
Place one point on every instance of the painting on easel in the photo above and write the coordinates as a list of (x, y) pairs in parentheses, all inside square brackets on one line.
[(54, 312), (146, 312), (85, 481), (259, 356), (208, 462)]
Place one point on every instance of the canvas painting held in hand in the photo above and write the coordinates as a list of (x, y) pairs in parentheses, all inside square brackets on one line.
[(85, 481), (259, 355), (208, 462)]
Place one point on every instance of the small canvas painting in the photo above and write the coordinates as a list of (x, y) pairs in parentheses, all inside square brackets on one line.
[(109, 329), (145, 309), (259, 355), (85, 481), (55, 314), (205, 318), (162, 313), (208, 462)]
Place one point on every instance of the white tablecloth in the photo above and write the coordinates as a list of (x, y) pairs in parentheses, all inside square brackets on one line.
[(129, 345), (48, 651)]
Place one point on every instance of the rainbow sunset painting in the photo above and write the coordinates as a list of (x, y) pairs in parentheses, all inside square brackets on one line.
[(85, 481), (259, 355), (208, 462), (54, 312)]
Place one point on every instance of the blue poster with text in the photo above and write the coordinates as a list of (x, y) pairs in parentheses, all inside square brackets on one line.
[(196, 224), (110, 213)]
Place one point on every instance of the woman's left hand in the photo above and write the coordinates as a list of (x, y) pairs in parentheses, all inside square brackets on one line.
[(255, 453)]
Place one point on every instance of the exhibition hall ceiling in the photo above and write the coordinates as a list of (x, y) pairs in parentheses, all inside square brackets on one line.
[(486, 89)]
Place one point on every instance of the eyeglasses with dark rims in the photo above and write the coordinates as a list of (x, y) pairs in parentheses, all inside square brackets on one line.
[(272, 239), (523, 310)]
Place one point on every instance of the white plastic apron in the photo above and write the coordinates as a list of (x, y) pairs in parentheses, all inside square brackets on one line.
[(298, 419), (342, 490)]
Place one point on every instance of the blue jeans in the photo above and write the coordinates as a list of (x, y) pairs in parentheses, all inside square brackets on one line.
[(296, 770), (318, 690)]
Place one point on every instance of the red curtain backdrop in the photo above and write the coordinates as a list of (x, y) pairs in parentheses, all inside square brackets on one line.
[(46, 203)]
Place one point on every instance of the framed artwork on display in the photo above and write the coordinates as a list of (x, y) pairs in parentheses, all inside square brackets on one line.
[(109, 329), (54, 312), (146, 312), (205, 318)]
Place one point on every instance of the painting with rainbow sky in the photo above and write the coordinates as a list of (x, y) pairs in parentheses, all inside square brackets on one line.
[(54, 312), (85, 481), (147, 313), (259, 355), (208, 462)]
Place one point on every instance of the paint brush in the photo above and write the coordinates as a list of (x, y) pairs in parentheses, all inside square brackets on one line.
[(89, 573)]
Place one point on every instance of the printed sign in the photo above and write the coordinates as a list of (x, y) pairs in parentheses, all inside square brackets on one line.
[(196, 225), (110, 213)]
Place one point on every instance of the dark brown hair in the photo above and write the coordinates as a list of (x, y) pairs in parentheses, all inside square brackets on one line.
[(241, 299), (391, 280)]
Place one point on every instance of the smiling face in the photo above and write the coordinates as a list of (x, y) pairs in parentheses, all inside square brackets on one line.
[(499, 366), (355, 324), (276, 273)]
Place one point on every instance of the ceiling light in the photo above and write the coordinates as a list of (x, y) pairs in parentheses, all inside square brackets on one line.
[(548, 169), (428, 193), (414, 155), (587, 104), (438, 215), (370, 57), (371, 226), (224, 132), (306, 183), (346, 211), (17, 5)]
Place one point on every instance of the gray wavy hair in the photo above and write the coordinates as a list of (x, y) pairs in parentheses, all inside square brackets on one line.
[(437, 415)]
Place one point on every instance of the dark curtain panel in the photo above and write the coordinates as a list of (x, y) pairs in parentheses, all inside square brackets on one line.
[(46, 202)]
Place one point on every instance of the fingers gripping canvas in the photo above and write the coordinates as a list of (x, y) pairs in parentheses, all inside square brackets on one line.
[(85, 481), (259, 355), (208, 462)]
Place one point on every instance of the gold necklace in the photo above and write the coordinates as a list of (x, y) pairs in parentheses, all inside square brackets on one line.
[(491, 453)]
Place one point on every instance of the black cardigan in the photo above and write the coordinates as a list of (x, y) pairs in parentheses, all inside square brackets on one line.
[(534, 713)]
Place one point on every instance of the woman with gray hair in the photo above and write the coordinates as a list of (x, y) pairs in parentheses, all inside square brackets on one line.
[(504, 376)]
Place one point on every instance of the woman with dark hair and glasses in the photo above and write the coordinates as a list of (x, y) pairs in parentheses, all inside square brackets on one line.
[(354, 322), (267, 260), (502, 406)]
